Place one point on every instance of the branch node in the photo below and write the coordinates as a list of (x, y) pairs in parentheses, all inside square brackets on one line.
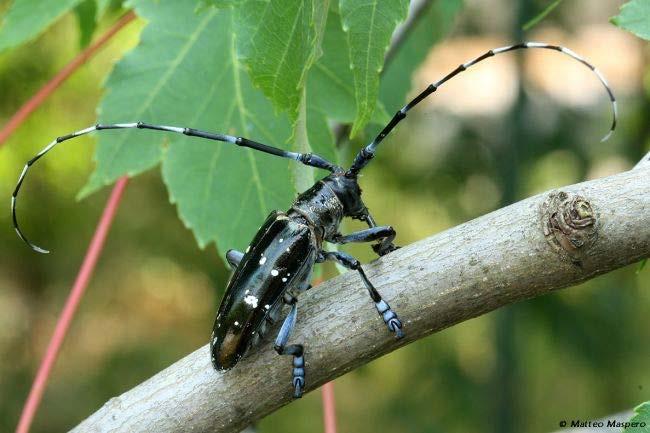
[(570, 225)]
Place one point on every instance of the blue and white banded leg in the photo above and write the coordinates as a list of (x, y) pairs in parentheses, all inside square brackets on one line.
[(296, 350), (390, 318)]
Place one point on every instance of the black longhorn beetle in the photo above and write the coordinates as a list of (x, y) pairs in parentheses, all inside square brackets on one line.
[(278, 263)]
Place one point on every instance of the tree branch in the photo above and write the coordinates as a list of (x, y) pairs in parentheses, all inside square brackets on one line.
[(547, 242)]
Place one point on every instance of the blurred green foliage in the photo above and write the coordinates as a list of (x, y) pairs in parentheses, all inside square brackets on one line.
[(580, 353)]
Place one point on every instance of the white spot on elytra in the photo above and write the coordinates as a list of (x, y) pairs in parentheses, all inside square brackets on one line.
[(236, 323), (267, 306), (251, 300), (281, 240), (248, 248), (262, 260), (274, 272), (288, 249), (247, 292), (284, 280)]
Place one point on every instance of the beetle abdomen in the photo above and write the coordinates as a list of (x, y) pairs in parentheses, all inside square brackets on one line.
[(280, 258)]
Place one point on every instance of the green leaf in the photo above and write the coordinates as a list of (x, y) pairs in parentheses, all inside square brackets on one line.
[(635, 18), (640, 422), (279, 41), (26, 19), (369, 25), (302, 179), (222, 3), (430, 28), (185, 72), (330, 91), (535, 20), (102, 7), (86, 13)]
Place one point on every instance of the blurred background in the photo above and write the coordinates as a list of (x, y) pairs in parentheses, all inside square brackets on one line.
[(514, 126)]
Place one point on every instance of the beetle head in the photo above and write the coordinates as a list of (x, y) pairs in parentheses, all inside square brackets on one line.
[(348, 192)]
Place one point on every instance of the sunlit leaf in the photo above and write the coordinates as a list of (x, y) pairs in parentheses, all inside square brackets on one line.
[(279, 42), (191, 76), (369, 25), (330, 90), (26, 19), (635, 17)]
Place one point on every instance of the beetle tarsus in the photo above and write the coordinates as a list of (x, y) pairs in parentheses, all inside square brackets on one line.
[(298, 376), (390, 318), (382, 249)]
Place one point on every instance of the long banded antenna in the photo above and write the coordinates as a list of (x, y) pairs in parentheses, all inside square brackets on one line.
[(309, 159), (368, 152)]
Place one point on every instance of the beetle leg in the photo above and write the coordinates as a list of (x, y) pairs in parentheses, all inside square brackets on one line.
[(289, 299), (383, 247), (384, 234), (234, 257), (293, 349), (387, 314)]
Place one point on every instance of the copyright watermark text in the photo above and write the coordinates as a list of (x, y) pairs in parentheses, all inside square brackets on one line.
[(611, 423)]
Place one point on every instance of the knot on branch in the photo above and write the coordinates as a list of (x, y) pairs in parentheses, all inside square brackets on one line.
[(569, 224)]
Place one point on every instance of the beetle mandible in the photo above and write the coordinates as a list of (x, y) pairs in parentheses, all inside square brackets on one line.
[(277, 265)]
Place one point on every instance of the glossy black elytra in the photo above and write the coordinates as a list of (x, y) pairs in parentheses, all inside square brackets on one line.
[(277, 265)]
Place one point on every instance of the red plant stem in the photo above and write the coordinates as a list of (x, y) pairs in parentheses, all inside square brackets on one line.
[(71, 304), (45, 91), (329, 407)]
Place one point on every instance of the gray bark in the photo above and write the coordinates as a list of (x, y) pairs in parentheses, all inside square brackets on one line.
[(541, 244)]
